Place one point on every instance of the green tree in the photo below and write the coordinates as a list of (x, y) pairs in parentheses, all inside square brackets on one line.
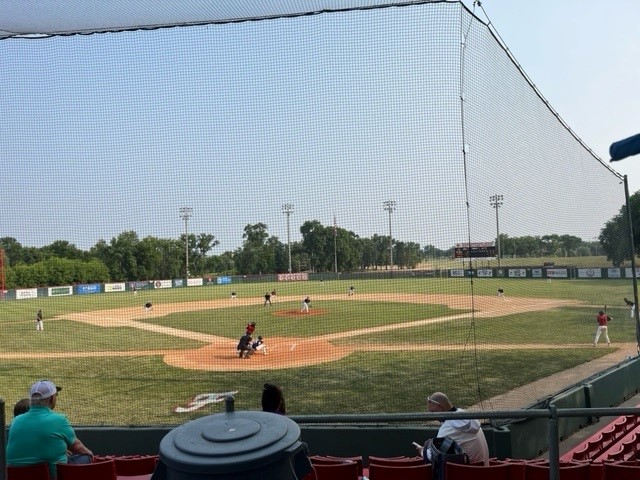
[(258, 252), (63, 249), (614, 236), (369, 255), (12, 250), (407, 254), (317, 243)]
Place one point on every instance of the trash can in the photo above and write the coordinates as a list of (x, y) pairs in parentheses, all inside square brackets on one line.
[(243, 445)]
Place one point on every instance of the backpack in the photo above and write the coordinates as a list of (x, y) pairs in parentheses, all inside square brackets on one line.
[(443, 450)]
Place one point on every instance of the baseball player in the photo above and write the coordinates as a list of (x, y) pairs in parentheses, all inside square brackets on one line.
[(39, 321), (260, 346), (632, 307), (603, 320), (244, 346), (267, 299), (352, 291), (305, 304), (148, 307), (250, 328)]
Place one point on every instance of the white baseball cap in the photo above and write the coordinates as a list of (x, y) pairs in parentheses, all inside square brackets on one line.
[(43, 389)]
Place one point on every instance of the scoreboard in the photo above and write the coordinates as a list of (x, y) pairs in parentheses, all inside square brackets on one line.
[(474, 250)]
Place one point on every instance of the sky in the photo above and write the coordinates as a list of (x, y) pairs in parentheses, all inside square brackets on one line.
[(115, 132), (582, 55)]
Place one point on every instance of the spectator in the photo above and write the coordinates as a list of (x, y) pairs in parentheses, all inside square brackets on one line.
[(466, 433), (41, 435), (21, 406), (273, 399)]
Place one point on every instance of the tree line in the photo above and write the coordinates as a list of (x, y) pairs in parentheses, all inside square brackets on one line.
[(127, 257)]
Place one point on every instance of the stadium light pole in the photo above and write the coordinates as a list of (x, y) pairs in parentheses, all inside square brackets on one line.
[(390, 206), (185, 214), (287, 209), (496, 202)]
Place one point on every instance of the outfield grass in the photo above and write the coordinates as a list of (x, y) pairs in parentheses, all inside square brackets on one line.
[(143, 390)]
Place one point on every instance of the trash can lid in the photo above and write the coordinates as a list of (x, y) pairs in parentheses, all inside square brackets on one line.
[(230, 442)]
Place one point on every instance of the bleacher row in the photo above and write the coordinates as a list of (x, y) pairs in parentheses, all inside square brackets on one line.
[(611, 453), (124, 467), (617, 441), (413, 468)]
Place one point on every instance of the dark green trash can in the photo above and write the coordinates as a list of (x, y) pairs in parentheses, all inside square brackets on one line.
[(234, 445)]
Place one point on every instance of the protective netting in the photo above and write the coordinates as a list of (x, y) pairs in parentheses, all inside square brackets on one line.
[(336, 113)]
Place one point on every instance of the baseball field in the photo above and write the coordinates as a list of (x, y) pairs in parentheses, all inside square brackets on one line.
[(382, 349)]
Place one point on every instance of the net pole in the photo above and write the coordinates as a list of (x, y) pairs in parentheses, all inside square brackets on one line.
[(633, 262)]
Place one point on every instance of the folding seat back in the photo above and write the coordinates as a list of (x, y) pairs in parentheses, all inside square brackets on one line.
[(459, 471), (566, 471), (39, 471), (616, 471), (130, 466), (400, 472), (396, 461), (336, 471), (93, 471)]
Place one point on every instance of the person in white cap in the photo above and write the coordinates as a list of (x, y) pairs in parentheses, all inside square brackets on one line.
[(467, 433), (41, 435)]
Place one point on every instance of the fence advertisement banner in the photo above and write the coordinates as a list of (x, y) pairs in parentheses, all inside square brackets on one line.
[(628, 272), (194, 282), (60, 291), (536, 272), (557, 273), (485, 272), (26, 293), (162, 284), (614, 273), (589, 273), (458, 272), (114, 287), (88, 289), (293, 277), (517, 273)]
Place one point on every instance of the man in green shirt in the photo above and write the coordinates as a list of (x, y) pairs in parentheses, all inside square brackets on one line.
[(41, 435)]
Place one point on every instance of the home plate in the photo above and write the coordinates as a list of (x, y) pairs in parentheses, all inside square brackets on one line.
[(293, 346)]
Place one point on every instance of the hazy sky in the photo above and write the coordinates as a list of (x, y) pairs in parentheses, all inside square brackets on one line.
[(583, 56), (115, 132)]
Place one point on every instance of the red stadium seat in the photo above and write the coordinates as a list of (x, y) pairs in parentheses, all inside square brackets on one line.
[(337, 471), (396, 461), (131, 466), (399, 472), (457, 471), (39, 471), (330, 459), (567, 472), (616, 471), (92, 471)]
